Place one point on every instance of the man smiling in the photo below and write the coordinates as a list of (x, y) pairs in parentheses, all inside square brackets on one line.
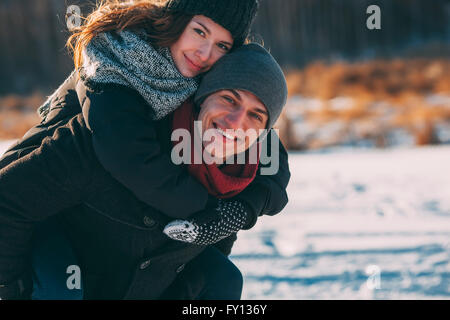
[(233, 116), (245, 93)]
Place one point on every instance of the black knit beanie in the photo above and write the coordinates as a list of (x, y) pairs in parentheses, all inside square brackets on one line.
[(234, 15), (251, 68)]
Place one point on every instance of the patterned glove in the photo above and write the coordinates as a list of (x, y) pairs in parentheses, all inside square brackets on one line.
[(232, 216)]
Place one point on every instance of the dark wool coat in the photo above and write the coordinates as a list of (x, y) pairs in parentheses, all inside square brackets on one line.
[(54, 172)]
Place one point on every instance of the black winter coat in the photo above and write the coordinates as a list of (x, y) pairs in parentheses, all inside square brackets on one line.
[(54, 171)]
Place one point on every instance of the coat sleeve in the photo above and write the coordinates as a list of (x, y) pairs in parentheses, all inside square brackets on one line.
[(266, 194), (126, 144), (226, 244), (33, 188)]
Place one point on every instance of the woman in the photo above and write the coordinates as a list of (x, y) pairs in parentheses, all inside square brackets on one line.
[(141, 188), (159, 52)]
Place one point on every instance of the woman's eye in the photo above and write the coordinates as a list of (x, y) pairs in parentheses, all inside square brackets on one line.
[(200, 32)]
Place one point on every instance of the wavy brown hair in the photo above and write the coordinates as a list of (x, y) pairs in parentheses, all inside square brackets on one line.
[(163, 28)]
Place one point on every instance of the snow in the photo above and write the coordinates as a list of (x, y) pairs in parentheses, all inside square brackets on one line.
[(340, 121), (352, 213), (5, 144)]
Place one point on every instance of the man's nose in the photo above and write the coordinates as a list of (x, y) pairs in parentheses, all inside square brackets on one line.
[(235, 119)]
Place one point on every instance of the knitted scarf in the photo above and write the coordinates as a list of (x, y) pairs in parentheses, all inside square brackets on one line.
[(224, 182), (127, 58)]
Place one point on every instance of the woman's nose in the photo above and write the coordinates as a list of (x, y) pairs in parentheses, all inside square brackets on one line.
[(204, 52)]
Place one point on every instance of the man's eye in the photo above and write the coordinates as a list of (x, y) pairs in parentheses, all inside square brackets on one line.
[(228, 99), (223, 47), (200, 32), (257, 117)]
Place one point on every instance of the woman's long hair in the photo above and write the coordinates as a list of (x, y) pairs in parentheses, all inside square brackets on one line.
[(163, 28)]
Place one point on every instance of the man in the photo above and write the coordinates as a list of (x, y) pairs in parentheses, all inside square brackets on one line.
[(119, 240)]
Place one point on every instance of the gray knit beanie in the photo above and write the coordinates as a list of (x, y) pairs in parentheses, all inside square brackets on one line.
[(251, 68), (234, 15)]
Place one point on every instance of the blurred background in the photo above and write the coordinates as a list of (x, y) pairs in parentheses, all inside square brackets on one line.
[(367, 125)]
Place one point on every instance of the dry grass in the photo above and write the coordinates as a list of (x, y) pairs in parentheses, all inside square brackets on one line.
[(18, 114), (382, 95), (377, 80)]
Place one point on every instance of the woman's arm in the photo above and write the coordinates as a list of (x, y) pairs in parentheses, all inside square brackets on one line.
[(126, 144), (33, 188), (266, 194), (218, 226)]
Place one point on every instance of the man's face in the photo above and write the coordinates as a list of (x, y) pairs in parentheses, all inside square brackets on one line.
[(228, 115)]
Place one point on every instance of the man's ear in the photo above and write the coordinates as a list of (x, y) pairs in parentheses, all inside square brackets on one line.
[(198, 105)]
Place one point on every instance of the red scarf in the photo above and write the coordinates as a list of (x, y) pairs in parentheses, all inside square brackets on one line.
[(224, 182)]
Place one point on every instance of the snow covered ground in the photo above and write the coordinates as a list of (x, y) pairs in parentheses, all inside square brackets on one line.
[(5, 144), (360, 224), (365, 224)]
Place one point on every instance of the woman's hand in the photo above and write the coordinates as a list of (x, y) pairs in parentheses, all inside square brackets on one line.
[(229, 217)]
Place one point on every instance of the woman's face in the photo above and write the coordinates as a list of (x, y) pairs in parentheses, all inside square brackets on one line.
[(202, 43)]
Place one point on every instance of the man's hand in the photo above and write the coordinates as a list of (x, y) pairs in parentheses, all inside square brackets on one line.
[(231, 216)]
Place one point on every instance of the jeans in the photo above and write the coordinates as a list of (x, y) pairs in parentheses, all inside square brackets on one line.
[(51, 257), (210, 276)]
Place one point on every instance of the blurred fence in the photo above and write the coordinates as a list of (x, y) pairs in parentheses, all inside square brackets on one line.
[(33, 34), (298, 31)]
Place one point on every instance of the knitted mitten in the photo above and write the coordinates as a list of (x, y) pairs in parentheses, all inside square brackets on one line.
[(231, 217)]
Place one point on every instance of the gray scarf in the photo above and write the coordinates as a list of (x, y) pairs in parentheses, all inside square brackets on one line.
[(127, 58)]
